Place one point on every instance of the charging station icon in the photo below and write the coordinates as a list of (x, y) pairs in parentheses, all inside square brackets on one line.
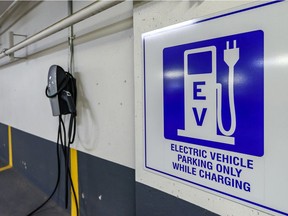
[(216, 96), (202, 115)]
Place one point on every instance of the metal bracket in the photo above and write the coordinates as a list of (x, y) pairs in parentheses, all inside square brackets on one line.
[(11, 44), (71, 39), (4, 51)]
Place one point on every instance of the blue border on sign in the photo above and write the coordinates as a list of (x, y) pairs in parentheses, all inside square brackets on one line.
[(145, 138)]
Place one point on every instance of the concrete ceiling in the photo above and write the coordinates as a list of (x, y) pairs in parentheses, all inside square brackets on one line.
[(4, 5)]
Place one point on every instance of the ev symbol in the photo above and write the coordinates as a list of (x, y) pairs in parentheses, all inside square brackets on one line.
[(203, 95), (213, 92)]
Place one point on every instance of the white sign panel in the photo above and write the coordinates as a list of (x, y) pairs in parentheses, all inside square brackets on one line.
[(216, 104)]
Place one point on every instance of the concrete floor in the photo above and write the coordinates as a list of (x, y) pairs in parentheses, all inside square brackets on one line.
[(18, 197)]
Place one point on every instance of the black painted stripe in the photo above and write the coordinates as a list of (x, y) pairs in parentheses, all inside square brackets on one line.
[(105, 188), (152, 202)]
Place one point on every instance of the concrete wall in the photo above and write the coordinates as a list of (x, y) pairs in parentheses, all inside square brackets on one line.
[(109, 71), (109, 81)]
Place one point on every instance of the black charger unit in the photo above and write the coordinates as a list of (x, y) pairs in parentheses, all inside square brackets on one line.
[(62, 93), (61, 90)]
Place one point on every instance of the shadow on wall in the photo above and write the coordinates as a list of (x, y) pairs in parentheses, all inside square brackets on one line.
[(190, 4), (195, 3), (87, 127)]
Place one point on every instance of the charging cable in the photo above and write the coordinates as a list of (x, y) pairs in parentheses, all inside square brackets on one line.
[(64, 140), (63, 145), (231, 57), (59, 140)]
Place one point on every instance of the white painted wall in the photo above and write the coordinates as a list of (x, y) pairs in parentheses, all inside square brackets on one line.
[(153, 16), (103, 66)]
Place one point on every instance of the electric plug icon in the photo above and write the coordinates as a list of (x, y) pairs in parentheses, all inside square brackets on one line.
[(231, 56)]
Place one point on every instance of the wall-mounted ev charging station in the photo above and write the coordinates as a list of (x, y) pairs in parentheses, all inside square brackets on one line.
[(62, 93), (215, 104), (61, 90)]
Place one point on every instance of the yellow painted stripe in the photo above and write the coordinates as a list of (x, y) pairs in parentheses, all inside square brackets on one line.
[(5, 168), (10, 146), (74, 176), (10, 164)]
